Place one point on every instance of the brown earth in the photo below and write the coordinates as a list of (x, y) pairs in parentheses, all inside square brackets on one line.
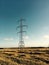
[(24, 56)]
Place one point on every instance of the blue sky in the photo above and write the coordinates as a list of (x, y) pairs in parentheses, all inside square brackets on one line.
[(36, 13)]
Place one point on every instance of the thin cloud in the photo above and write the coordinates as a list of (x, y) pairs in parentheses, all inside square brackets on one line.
[(46, 36), (8, 39), (26, 37)]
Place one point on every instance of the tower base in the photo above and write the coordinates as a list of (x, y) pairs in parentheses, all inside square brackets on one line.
[(21, 44)]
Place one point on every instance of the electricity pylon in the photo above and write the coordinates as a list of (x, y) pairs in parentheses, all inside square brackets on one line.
[(21, 27)]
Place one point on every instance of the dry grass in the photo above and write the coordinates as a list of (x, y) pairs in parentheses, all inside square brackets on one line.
[(25, 56)]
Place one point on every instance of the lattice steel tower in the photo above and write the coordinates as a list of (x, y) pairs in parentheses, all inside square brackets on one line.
[(21, 27)]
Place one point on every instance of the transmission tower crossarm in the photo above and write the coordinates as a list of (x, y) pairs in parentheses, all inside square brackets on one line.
[(21, 31), (24, 25), (21, 26)]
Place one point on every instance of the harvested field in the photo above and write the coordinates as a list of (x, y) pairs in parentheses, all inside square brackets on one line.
[(25, 56)]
